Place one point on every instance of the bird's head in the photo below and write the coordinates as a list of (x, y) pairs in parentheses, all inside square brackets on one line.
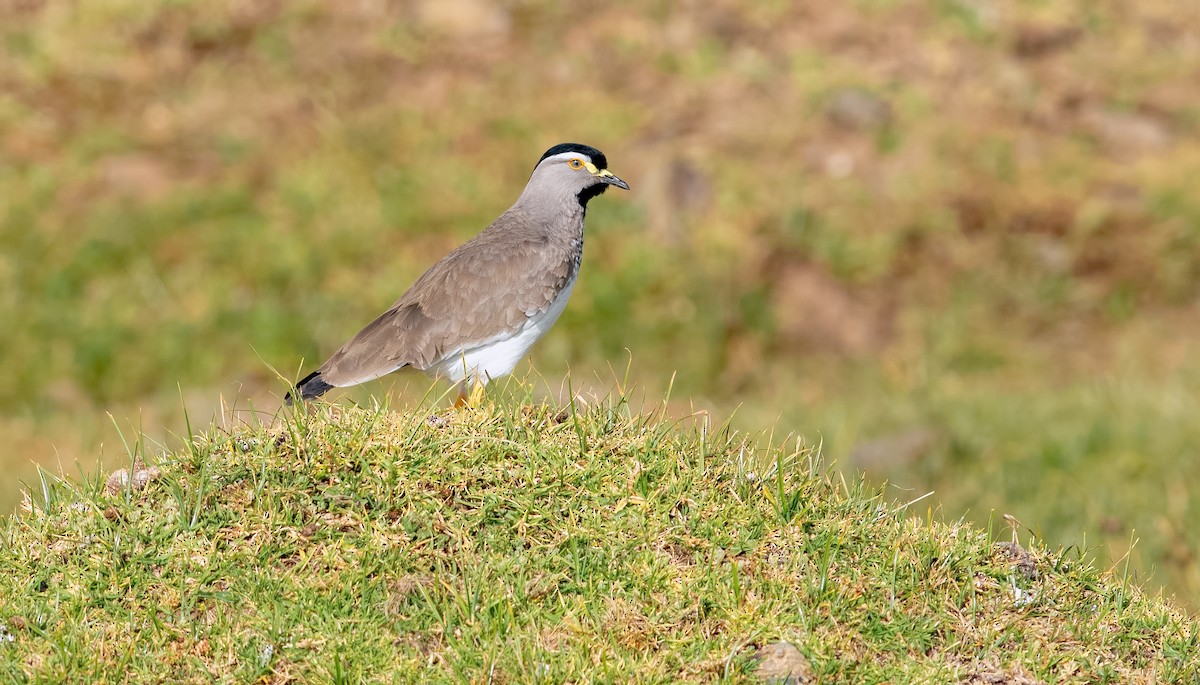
[(574, 169)]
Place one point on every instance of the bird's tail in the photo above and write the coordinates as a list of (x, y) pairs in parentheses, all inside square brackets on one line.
[(310, 387)]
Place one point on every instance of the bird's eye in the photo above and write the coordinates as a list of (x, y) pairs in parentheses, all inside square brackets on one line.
[(576, 164)]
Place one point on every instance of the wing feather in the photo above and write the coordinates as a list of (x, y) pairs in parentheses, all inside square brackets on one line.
[(486, 288)]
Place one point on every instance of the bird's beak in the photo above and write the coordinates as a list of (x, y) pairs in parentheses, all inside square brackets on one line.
[(606, 176), (611, 179)]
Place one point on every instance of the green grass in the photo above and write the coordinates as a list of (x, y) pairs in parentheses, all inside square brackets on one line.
[(523, 543)]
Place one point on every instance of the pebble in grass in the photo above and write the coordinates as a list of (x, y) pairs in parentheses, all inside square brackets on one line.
[(780, 663), (1021, 560), (121, 478)]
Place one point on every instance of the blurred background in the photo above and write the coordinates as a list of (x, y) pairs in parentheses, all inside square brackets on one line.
[(956, 242)]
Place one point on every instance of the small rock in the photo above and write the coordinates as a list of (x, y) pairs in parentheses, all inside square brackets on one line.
[(1128, 133), (116, 481), (1051, 253), (143, 476), (858, 109), (781, 663), (566, 413), (1021, 559), (121, 478), (989, 677)]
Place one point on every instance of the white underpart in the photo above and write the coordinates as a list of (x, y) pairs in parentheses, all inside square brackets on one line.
[(499, 356)]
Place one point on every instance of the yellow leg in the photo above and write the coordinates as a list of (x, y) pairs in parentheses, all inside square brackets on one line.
[(469, 395)]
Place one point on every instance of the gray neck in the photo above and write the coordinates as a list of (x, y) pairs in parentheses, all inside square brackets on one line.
[(559, 217), (558, 221)]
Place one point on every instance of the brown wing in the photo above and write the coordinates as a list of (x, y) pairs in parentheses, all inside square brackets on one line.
[(487, 287)]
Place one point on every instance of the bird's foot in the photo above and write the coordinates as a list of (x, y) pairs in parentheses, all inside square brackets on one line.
[(470, 398)]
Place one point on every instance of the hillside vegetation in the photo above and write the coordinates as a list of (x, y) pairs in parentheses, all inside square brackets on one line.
[(955, 241), (536, 544)]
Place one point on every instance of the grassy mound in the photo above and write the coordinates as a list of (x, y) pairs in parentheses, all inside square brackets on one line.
[(538, 545)]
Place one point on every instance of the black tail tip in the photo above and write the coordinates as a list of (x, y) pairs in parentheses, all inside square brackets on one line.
[(311, 387)]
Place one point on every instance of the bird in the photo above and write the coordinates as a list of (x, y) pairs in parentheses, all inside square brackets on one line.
[(475, 313)]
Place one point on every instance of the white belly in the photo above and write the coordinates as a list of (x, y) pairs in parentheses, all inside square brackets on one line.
[(499, 356)]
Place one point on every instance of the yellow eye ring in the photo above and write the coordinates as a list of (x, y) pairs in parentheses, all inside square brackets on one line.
[(576, 164)]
